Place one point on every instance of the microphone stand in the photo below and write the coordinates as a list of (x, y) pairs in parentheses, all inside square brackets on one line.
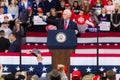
[(97, 46), (20, 65)]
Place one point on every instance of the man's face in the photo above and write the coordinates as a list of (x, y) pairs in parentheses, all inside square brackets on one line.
[(37, 0), (67, 7), (11, 37), (81, 12), (1, 11), (66, 16)]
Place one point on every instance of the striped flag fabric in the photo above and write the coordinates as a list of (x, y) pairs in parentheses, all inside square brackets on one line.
[(104, 37), (83, 62), (84, 58)]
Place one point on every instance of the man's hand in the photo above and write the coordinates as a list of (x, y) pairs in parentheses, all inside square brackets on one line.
[(51, 27), (39, 58), (60, 66), (40, 15), (76, 31)]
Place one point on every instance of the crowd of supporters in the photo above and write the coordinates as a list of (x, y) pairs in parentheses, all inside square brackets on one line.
[(19, 16), (87, 14)]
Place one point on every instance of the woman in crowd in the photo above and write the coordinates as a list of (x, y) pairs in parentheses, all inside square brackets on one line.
[(76, 7), (62, 5), (86, 6), (94, 17), (18, 30), (61, 8), (115, 19), (104, 17), (30, 17), (98, 6), (13, 9), (3, 4), (109, 6), (1, 11), (81, 21), (6, 2)]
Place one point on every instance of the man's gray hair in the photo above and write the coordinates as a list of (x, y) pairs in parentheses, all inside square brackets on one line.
[(67, 11)]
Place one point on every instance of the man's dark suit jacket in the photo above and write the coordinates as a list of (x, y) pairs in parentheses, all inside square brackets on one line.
[(60, 24), (4, 44), (14, 46)]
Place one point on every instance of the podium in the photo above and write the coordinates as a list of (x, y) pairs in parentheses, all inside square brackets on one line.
[(61, 43)]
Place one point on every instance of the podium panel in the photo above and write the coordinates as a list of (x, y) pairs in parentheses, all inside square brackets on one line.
[(61, 39)]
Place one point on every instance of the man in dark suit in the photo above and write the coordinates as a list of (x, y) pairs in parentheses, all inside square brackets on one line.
[(64, 23), (37, 4), (23, 10), (15, 44), (4, 42)]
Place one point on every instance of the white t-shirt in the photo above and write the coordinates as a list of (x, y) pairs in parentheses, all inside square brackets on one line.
[(8, 31)]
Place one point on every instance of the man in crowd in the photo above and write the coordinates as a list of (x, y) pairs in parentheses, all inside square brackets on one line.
[(76, 75), (4, 42), (5, 27), (54, 75), (37, 4), (15, 44), (111, 75)]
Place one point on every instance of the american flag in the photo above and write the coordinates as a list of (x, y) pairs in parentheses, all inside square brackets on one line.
[(104, 37), (84, 58)]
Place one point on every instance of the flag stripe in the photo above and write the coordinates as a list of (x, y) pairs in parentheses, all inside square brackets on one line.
[(86, 35), (94, 55), (9, 54), (101, 51), (80, 49), (79, 40), (9, 60), (33, 60), (92, 61), (104, 37)]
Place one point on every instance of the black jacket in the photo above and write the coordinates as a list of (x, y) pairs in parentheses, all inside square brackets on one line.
[(60, 24), (4, 44)]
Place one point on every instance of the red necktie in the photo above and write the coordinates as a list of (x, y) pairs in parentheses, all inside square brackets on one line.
[(65, 25)]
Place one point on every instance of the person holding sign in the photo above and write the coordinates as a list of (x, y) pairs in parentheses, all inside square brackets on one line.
[(104, 19)]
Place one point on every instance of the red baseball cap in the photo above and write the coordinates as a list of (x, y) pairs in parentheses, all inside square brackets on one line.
[(67, 5), (76, 74), (29, 8), (40, 10), (96, 77)]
